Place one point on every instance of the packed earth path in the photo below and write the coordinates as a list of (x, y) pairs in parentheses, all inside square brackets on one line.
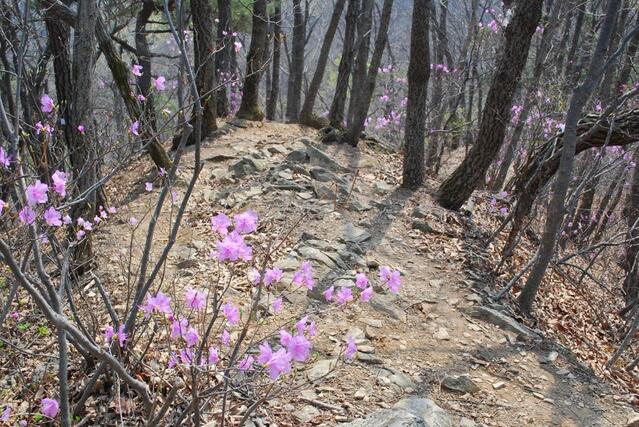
[(437, 354)]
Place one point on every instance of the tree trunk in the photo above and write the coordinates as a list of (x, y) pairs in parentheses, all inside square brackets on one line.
[(296, 75), (434, 142), (225, 41), (336, 114), (364, 29), (572, 53), (531, 93), (556, 209), (631, 261), (607, 211), (565, 35), (624, 74), (364, 98), (249, 108), (143, 55), (418, 75), (306, 115), (496, 114), (606, 86), (274, 91), (204, 62)]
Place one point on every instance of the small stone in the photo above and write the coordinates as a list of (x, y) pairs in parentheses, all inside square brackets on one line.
[(369, 358), (538, 395), (375, 323), (421, 225), (466, 422), (306, 414), (357, 334), (381, 187), (441, 334), (461, 384), (320, 369), (499, 385), (386, 304), (474, 298), (366, 349), (361, 393), (420, 212), (371, 333)]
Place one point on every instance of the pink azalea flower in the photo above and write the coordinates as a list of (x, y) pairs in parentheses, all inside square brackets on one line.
[(238, 46), (361, 281), (384, 273), (5, 159), (66, 220), (135, 128), (231, 313), (246, 364), (273, 275), (158, 303), (311, 329), (366, 294), (46, 104), (50, 407), (304, 276), (191, 337), (173, 361), (344, 295), (233, 247), (186, 356), (225, 338), (37, 193), (328, 294), (245, 222), (277, 305), (133, 221), (59, 182), (394, 282), (285, 338), (178, 326), (278, 363), (46, 128), (52, 217), (220, 223), (27, 215), (81, 129), (159, 83), (195, 298), (79, 235), (2, 205), (351, 348), (108, 334), (112, 210), (300, 325), (254, 276), (162, 172), (213, 356), (6, 414), (122, 336), (148, 186), (299, 348), (137, 70)]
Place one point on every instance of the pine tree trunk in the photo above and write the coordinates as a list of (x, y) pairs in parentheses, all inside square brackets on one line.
[(336, 113), (418, 75), (306, 115), (274, 92), (296, 75), (556, 210), (249, 108), (496, 114)]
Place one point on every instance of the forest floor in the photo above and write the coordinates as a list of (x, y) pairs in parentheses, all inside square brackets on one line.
[(426, 342)]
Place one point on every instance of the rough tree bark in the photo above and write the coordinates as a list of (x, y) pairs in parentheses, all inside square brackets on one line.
[(336, 113), (249, 108), (225, 40), (631, 261), (363, 101), (143, 55), (456, 189), (418, 75), (530, 99), (274, 90), (364, 29), (204, 63), (574, 44), (306, 115), (296, 75), (555, 216)]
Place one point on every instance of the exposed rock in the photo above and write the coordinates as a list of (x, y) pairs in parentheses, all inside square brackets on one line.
[(307, 413), (321, 369), (503, 321), (315, 254), (355, 234), (467, 422), (247, 166), (375, 323), (387, 304), (187, 263), (420, 212), (369, 358), (220, 153), (550, 358), (320, 174), (382, 187), (409, 412), (442, 334), (297, 156), (421, 225), (460, 384), (633, 422), (320, 158), (357, 334)]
